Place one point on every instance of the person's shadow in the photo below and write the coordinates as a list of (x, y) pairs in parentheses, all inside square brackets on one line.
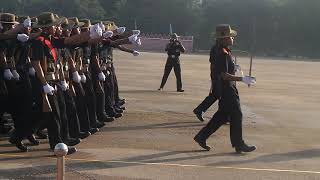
[(271, 158)]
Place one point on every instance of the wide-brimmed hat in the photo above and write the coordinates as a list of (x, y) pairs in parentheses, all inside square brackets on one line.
[(76, 22), (87, 23), (110, 25), (8, 18), (174, 36), (224, 30), (67, 25), (47, 19)]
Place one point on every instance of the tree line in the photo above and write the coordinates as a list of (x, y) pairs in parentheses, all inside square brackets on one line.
[(265, 27)]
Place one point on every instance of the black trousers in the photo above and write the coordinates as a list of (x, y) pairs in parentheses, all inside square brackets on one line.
[(3, 99), (64, 121), (100, 96), (229, 110), (207, 102), (73, 120), (109, 93), (50, 120), (115, 84), (175, 64), (90, 100), (81, 105), (19, 104)]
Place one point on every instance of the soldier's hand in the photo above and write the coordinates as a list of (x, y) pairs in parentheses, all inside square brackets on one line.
[(7, 74), (76, 77), (121, 30), (237, 67), (64, 85), (136, 53), (22, 37), (96, 31), (108, 34), (249, 80), (83, 78), (27, 23), (101, 76), (16, 75), (32, 71), (48, 89), (136, 32), (102, 26)]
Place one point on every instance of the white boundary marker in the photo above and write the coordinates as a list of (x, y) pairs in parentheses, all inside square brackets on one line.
[(181, 165)]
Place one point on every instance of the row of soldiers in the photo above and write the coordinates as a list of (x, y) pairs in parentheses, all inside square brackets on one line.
[(57, 73)]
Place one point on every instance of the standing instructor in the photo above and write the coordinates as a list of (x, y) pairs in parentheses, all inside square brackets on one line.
[(174, 49)]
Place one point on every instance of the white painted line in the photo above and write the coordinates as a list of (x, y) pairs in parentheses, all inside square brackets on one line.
[(179, 165), (203, 166)]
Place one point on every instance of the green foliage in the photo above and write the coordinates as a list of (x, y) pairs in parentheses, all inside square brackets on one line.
[(283, 27)]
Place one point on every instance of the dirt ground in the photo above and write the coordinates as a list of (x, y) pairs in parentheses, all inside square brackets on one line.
[(154, 139)]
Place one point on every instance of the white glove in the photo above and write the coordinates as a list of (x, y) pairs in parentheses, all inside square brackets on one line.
[(32, 71), (83, 78), (108, 73), (22, 37), (15, 74), (76, 77), (237, 67), (136, 53), (101, 76), (249, 80), (48, 89), (95, 31), (136, 32), (108, 34), (64, 85), (138, 42), (102, 26), (27, 23), (7, 74), (121, 30), (134, 40)]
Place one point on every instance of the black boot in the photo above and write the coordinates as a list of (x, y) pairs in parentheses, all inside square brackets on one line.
[(202, 143), (83, 135), (18, 143), (41, 135), (245, 148), (33, 140), (93, 130), (198, 113)]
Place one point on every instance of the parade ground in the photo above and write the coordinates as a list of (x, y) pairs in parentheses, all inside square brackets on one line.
[(154, 138)]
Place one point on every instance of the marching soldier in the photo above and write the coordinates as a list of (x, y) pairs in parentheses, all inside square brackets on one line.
[(225, 89), (174, 48), (15, 57), (43, 60)]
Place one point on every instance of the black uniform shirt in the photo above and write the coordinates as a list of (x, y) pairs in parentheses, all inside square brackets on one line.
[(174, 48), (223, 63)]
